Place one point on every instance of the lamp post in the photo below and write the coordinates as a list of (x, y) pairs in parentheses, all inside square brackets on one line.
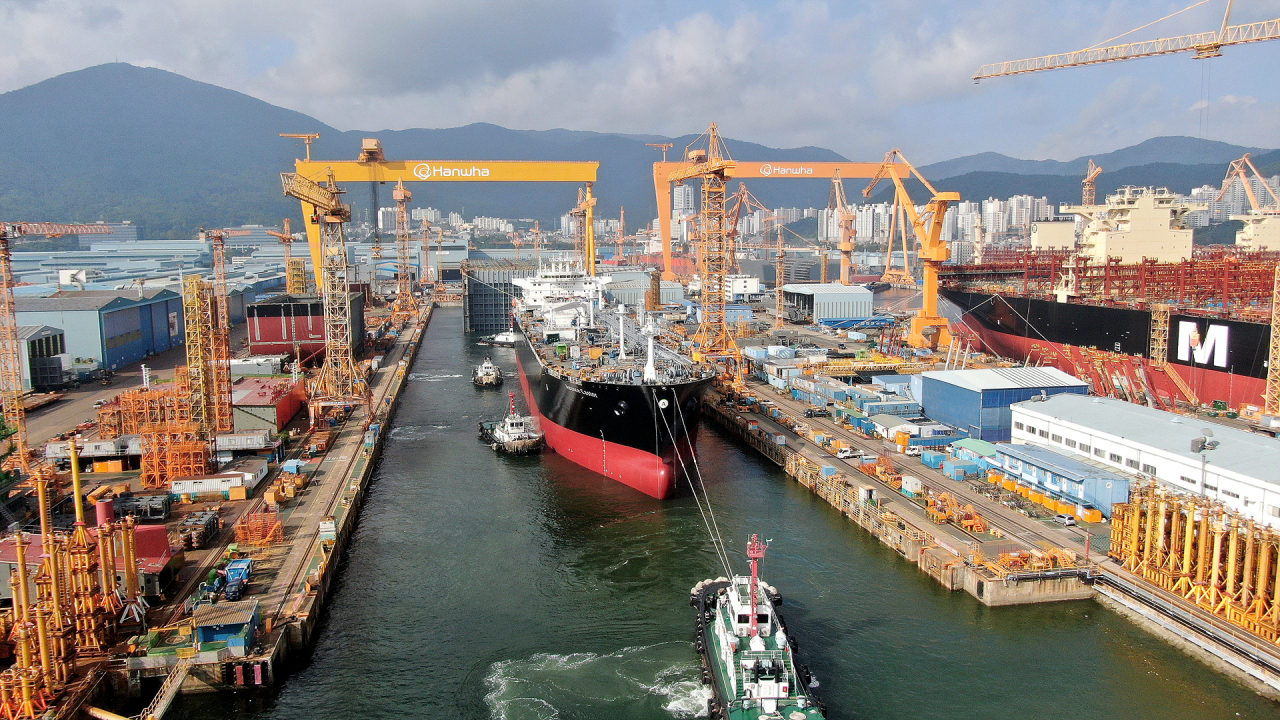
[(1202, 445)]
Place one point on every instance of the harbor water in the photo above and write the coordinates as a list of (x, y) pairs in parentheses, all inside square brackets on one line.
[(487, 586)]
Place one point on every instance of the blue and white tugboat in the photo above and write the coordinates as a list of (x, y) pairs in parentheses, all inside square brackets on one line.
[(747, 656)]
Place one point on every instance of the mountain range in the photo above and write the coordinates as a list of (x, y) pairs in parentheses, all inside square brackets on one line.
[(119, 142)]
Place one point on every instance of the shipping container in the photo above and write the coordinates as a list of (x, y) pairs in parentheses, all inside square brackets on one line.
[(912, 484), (933, 458)]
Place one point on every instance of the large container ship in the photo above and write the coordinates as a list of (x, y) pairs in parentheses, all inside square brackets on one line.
[(607, 394)]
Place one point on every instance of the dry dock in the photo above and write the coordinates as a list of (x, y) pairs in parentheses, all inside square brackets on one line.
[(292, 578)]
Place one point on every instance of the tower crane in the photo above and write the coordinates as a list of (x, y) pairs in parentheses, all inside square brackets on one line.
[(928, 328), (1089, 186), (585, 233), (1206, 44), (295, 270), (840, 204), (11, 386), (306, 138), (622, 231), (338, 382), (219, 356), (405, 306), (711, 164), (664, 147), (537, 242)]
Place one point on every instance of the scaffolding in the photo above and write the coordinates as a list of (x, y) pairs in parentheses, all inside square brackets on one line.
[(219, 357), (197, 310), (261, 527), (1217, 283), (1204, 552)]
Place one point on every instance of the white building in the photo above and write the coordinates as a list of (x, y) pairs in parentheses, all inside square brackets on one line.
[(1243, 471)]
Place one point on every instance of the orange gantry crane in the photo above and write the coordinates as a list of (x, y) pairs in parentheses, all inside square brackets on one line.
[(338, 382), (928, 328), (405, 308), (11, 385), (1206, 44)]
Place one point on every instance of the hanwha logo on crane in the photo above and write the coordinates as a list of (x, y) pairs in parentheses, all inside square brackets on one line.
[(422, 171)]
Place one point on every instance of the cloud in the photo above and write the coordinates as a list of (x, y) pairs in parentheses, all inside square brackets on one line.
[(857, 77)]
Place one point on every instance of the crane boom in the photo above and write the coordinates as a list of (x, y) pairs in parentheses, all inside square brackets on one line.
[(1205, 45)]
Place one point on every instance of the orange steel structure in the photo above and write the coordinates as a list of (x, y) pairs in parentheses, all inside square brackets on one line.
[(405, 307), (260, 527), (1089, 186), (220, 356), (840, 204), (11, 386), (295, 269), (1194, 547), (711, 165), (665, 172), (338, 382), (73, 614)]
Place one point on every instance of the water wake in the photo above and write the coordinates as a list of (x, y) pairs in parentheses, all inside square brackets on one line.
[(631, 682)]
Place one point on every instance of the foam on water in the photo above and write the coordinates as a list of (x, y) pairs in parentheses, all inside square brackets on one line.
[(429, 377), (544, 686)]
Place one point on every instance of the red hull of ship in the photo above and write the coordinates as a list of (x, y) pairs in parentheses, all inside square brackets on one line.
[(651, 474)]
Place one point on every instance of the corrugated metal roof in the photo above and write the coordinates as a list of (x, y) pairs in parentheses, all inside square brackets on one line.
[(826, 289), (1006, 378), (888, 421), (28, 332), (982, 447), (1240, 451), (1059, 463), (226, 613)]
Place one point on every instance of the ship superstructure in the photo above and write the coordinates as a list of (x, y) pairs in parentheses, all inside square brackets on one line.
[(608, 392)]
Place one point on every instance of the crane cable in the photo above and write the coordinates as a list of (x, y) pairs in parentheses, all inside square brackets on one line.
[(708, 515), (1153, 22)]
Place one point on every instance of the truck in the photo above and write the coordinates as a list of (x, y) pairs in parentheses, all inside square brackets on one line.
[(238, 573)]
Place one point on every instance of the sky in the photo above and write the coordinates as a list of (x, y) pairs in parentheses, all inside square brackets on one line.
[(855, 77)]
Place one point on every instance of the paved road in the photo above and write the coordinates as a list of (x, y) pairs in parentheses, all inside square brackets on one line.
[(1033, 533)]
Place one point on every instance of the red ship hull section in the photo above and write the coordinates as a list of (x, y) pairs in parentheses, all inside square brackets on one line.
[(647, 472), (1207, 383)]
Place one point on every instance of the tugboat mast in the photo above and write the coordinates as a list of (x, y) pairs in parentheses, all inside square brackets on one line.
[(755, 551)]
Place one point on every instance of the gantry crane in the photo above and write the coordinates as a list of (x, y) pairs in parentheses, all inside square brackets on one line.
[(338, 382), (897, 277), (295, 269), (405, 307), (711, 164), (840, 205), (928, 328), (11, 385), (1207, 44), (1089, 186)]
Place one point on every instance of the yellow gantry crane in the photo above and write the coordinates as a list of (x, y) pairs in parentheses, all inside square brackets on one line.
[(11, 385), (1207, 44), (338, 382), (928, 328), (585, 232)]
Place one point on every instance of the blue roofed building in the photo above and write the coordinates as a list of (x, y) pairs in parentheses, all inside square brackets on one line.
[(977, 401), (113, 328)]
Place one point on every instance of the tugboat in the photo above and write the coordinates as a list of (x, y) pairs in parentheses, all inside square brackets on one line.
[(515, 434), (506, 338), (487, 374), (748, 658)]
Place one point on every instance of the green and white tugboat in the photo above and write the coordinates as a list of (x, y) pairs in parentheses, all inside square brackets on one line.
[(748, 658)]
